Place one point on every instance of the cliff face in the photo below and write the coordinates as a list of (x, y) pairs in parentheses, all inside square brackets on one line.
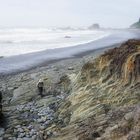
[(105, 97)]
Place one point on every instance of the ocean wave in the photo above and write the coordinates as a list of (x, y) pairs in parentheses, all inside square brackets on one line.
[(22, 41)]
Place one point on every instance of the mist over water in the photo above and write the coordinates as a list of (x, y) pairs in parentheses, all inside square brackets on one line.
[(46, 46), (26, 40)]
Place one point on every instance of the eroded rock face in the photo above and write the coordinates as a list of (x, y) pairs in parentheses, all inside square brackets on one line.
[(112, 80), (104, 94)]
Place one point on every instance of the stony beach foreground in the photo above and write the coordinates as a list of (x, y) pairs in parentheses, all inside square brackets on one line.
[(25, 114), (90, 96)]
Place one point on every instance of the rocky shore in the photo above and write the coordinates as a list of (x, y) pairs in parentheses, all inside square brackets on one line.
[(25, 114), (95, 96)]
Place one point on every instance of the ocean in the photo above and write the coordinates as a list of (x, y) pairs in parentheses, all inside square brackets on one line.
[(24, 49), (17, 41)]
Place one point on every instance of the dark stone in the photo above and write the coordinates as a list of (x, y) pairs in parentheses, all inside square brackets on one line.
[(2, 120), (95, 135)]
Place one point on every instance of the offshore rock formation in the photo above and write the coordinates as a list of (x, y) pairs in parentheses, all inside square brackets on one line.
[(94, 26), (104, 103)]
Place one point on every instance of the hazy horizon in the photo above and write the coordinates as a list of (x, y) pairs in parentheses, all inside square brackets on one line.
[(77, 13)]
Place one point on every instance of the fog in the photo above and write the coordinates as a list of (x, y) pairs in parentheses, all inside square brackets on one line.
[(56, 13)]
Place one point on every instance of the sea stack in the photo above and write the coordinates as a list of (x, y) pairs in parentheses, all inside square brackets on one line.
[(94, 26)]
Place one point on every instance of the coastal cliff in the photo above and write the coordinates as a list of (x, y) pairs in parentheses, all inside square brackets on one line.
[(136, 25), (94, 99), (105, 97)]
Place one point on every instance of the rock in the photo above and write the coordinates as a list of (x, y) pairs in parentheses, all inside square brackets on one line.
[(136, 25), (47, 123), (67, 37), (20, 130), (11, 138), (42, 127), (56, 69), (19, 139), (27, 108), (2, 131), (26, 129), (94, 26), (15, 130), (25, 138), (31, 110), (70, 68), (34, 137), (49, 133), (55, 133), (40, 136), (66, 120), (21, 135), (26, 90), (40, 120), (30, 127), (129, 116), (32, 132), (28, 136), (18, 126)]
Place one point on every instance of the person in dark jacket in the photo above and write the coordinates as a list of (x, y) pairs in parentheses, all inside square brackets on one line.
[(40, 86)]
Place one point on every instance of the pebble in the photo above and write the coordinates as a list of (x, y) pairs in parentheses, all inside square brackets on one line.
[(32, 132), (42, 127), (33, 137), (10, 138), (18, 126), (1, 131), (20, 130), (129, 116), (39, 120), (21, 135), (47, 123), (55, 133), (70, 68), (25, 138), (35, 116), (19, 139), (30, 127), (56, 69), (28, 136), (49, 133)]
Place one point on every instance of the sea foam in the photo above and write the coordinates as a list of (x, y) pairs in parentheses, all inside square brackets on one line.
[(27, 40)]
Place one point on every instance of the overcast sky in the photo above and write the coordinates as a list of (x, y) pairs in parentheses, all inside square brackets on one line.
[(108, 13)]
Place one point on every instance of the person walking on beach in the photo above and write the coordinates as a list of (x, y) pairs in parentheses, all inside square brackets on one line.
[(40, 86)]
